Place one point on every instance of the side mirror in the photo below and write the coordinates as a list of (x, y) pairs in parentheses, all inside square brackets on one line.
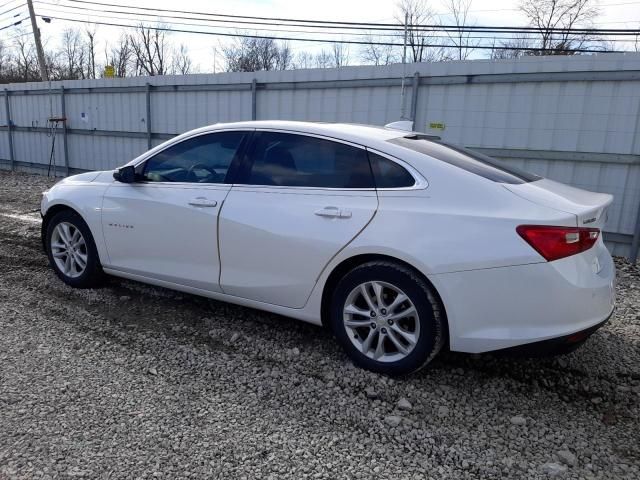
[(125, 174)]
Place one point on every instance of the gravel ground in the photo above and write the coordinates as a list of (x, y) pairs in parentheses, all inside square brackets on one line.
[(140, 382)]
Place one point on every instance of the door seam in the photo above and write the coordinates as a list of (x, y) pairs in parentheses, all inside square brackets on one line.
[(375, 212), (218, 238)]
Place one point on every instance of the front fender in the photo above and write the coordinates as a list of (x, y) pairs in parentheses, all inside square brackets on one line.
[(83, 198)]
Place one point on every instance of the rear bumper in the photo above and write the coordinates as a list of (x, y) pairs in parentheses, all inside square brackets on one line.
[(553, 346), (500, 308)]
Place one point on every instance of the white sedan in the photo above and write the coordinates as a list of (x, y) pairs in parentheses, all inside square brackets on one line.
[(398, 242)]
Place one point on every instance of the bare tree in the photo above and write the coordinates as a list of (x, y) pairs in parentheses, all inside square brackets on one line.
[(340, 54), (119, 56), (375, 54), (149, 48), (555, 18), (515, 47), (461, 39), (250, 54), (284, 60), (323, 59), (181, 63), (26, 63), (303, 60), (5, 63), (90, 46), (420, 35), (72, 55)]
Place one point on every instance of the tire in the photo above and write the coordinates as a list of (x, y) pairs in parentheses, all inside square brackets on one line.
[(409, 340), (85, 251)]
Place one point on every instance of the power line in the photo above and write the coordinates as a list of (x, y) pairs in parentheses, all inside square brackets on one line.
[(7, 3), (371, 26), (11, 25), (24, 34), (12, 9), (518, 10), (149, 17), (316, 40), (46, 11)]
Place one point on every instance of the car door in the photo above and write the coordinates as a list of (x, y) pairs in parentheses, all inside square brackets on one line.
[(299, 199), (164, 225)]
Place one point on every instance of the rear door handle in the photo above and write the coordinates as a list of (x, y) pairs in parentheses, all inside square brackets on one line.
[(202, 202), (333, 212)]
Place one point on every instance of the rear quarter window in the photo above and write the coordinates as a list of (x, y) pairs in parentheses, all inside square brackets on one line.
[(465, 159), (389, 174)]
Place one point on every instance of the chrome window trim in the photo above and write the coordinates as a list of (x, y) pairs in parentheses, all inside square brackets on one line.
[(184, 139), (421, 183), (319, 189), (174, 141)]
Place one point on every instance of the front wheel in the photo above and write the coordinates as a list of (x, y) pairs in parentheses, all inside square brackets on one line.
[(387, 318), (71, 250)]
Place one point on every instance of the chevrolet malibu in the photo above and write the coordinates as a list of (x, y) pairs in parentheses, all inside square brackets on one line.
[(398, 242)]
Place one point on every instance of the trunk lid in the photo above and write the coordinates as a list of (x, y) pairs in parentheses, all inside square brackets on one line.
[(590, 208)]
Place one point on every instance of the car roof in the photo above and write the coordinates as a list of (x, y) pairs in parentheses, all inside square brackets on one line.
[(356, 133)]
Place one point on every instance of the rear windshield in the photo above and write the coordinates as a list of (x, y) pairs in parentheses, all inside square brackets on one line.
[(466, 159)]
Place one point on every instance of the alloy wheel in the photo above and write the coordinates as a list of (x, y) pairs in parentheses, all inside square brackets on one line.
[(381, 321), (69, 249)]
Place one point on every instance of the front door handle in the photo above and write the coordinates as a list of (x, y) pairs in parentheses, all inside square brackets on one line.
[(333, 212), (202, 202)]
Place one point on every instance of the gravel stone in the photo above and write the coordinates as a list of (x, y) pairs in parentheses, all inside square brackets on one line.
[(518, 420), (567, 457), (393, 420), (371, 393), (553, 469), (78, 399), (403, 404)]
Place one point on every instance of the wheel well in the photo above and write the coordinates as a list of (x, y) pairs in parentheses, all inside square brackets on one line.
[(53, 211), (349, 264)]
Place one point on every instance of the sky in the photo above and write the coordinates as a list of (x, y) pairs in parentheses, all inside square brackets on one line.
[(613, 14)]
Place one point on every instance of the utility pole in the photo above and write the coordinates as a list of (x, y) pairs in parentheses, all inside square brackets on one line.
[(36, 37)]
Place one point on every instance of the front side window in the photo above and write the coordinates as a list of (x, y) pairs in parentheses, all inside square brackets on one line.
[(202, 159), (291, 160)]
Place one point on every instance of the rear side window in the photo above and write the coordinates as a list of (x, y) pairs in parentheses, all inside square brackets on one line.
[(466, 159), (291, 160), (389, 174)]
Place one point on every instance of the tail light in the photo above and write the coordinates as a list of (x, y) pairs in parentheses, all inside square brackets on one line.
[(554, 242)]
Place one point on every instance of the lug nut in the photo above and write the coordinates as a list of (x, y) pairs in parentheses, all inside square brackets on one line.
[(373, 325), (373, 314), (390, 322), (383, 311), (383, 331)]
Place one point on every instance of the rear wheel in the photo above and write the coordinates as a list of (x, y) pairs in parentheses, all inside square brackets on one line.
[(387, 318), (71, 250)]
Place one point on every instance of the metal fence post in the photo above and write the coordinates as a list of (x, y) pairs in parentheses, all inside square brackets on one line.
[(8, 112), (65, 146), (148, 99), (254, 95), (414, 97)]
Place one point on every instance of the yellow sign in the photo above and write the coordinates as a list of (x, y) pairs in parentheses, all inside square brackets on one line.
[(109, 71), (436, 125)]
